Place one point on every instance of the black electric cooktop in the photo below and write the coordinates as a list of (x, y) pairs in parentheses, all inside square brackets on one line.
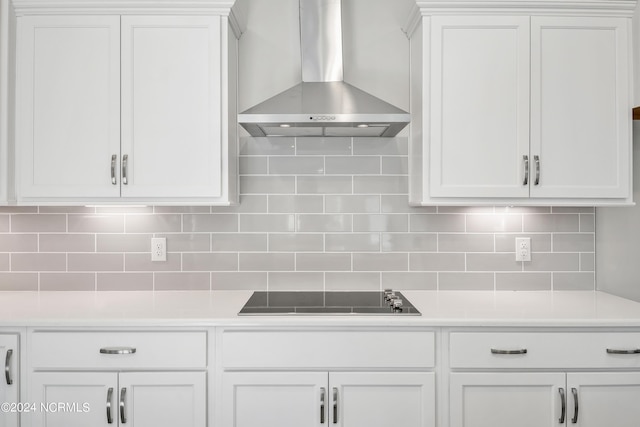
[(328, 303)]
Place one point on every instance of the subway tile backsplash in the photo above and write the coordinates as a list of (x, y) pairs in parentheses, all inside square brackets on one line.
[(315, 214)]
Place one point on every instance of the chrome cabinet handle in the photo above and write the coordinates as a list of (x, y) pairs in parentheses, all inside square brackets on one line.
[(7, 367), (117, 350), (109, 397), (322, 395), (498, 351), (113, 169), (616, 351), (574, 392), (525, 181), (536, 158), (123, 415), (563, 402), (125, 161), (335, 405)]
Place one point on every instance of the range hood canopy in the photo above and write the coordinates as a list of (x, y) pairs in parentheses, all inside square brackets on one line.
[(323, 104)]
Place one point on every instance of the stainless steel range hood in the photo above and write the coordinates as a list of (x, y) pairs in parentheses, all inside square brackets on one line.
[(323, 104)]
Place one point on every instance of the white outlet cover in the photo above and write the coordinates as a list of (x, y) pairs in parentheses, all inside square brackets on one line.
[(158, 249), (523, 249)]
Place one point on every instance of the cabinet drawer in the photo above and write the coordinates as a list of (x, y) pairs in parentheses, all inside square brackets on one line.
[(544, 350), (328, 349), (97, 350)]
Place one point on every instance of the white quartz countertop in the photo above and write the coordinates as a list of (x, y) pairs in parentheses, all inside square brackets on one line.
[(217, 308)]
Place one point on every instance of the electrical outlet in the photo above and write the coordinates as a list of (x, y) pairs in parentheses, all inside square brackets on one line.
[(158, 249), (523, 249)]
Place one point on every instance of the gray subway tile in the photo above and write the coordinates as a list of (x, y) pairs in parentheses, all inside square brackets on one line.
[(5, 264), (38, 262), (125, 281), (185, 242), (574, 242), (494, 223), (465, 242), (587, 223), (5, 224), (353, 165), (324, 185), (267, 262), (581, 281), (253, 165), (67, 243), (572, 209), (395, 165), (210, 222), (323, 146), (588, 262), (323, 262), (295, 204), (38, 223), (295, 242), (465, 282), (409, 242), (266, 146), (387, 184), (209, 261), (296, 165), (324, 223), (437, 222), (95, 262), (381, 222), (61, 209), (18, 242), (158, 223), (436, 262), (142, 262), (352, 281), (124, 242), (352, 242), (254, 184), (18, 281), (381, 146), (94, 223), (181, 281), (21, 209), (296, 281), (267, 223), (236, 280), (238, 242), (523, 281), (67, 281), (553, 262), (380, 262), (551, 223), (352, 203), (493, 262), (410, 280)]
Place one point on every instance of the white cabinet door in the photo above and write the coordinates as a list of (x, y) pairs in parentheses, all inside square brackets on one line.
[(275, 399), (581, 107), (604, 399), (171, 106), (68, 106), (381, 399), (163, 399), (10, 380), (505, 399), (479, 106), (87, 393)]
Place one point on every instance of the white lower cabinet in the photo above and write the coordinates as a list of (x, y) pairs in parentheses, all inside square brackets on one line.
[(350, 399), (141, 399), (9, 382), (119, 378)]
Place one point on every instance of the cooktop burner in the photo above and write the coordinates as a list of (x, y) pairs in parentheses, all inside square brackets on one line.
[(328, 302)]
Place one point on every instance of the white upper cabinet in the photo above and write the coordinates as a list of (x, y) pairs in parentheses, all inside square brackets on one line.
[(119, 108), (517, 106)]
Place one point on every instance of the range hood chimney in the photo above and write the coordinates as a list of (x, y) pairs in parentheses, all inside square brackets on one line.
[(323, 104)]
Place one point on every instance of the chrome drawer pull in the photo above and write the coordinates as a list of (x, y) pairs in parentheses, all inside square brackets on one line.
[(498, 351), (113, 169), (616, 351), (7, 367), (123, 415), (563, 401), (322, 393), (574, 420), (109, 397), (125, 163), (536, 158), (117, 350), (335, 405), (525, 181)]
